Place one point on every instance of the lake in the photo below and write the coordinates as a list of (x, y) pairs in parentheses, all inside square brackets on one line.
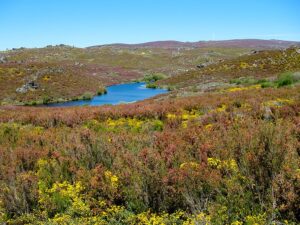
[(116, 94)]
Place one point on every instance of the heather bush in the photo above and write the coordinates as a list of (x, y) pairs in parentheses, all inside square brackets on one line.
[(213, 159)]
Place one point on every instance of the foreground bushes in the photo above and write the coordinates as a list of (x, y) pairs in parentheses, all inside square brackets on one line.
[(232, 161)]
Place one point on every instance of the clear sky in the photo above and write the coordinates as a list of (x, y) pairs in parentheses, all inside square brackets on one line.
[(37, 23)]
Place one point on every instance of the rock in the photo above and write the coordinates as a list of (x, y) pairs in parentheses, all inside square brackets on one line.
[(21, 89), (31, 85), (298, 50), (268, 114), (3, 59), (202, 65)]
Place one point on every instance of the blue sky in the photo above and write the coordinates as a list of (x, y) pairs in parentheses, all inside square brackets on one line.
[(37, 23)]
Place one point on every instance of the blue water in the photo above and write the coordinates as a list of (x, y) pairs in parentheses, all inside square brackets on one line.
[(116, 94)]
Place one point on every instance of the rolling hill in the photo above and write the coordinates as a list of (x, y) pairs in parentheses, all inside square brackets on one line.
[(61, 73)]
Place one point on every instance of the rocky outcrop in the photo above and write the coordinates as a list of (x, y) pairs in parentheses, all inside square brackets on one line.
[(31, 85), (3, 59)]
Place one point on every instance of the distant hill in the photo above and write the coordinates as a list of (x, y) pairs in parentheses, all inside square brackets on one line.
[(240, 43)]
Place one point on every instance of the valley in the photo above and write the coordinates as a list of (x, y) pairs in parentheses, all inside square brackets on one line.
[(220, 147)]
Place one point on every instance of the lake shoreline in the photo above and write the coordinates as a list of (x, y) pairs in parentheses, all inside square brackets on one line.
[(110, 90)]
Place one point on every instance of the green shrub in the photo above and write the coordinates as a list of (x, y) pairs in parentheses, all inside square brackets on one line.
[(33, 103), (46, 99), (102, 91), (261, 81), (151, 85), (247, 80), (267, 84), (158, 125), (285, 79), (282, 80), (154, 77), (87, 96), (170, 88)]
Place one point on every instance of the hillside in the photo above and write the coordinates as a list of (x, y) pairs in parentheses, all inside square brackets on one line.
[(61, 73), (264, 64), (64, 72)]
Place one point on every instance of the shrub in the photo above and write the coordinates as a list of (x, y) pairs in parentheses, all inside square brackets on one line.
[(247, 80), (102, 91), (46, 99), (170, 88), (284, 80), (152, 85), (87, 96), (288, 78), (154, 77), (267, 84)]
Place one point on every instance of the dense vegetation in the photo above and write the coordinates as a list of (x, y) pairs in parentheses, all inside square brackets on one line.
[(227, 155), (221, 158)]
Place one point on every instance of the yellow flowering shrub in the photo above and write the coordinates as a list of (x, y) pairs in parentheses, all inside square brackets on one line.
[(63, 197), (2, 212), (193, 165), (279, 102), (63, 219), (237, 223), (147, 218), (47, 78), (131, 123), (185, 115), (225, 164), (171, 116), (208, 126), (184, 124), (252, 87), (221, 108), (244, 65), (200, 218), (113, 179), (256, 220), (213, 162)]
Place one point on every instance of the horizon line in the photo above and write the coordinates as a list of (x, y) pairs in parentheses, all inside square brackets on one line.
[(148, 42)]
